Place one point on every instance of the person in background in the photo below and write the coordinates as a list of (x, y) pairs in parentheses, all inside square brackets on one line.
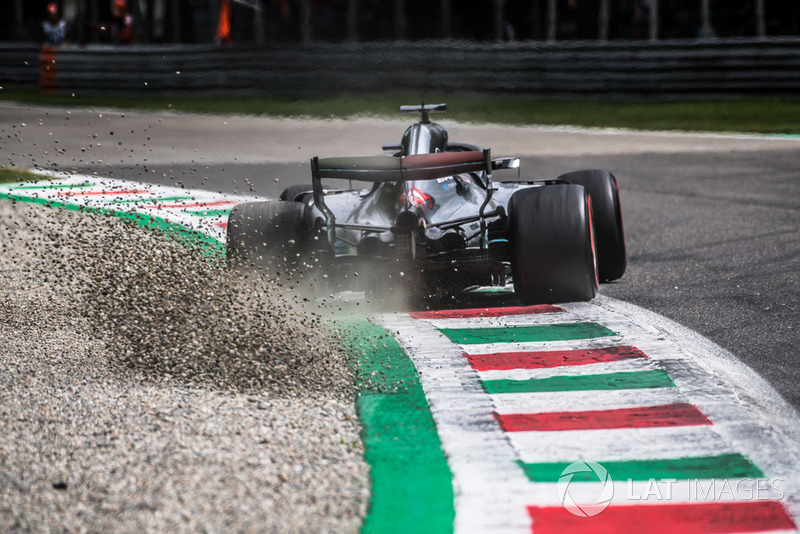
[(121, 24), (55, 28), (223, 35)]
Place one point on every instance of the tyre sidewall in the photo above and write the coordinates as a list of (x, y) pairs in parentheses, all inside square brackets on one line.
[(601, 186)]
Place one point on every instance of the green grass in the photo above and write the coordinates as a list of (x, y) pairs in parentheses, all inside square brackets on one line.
[(776, 116), (10, 176)]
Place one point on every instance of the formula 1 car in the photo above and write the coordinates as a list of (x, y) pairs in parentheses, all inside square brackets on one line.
[(431, 216)]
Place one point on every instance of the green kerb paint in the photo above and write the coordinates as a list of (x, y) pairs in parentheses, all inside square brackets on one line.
[(731, 465), (412, 489), (210, 213), (14, 187), (655, 378), (521, 334)]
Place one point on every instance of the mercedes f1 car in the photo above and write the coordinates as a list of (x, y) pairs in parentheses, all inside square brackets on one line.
[(429, 214)]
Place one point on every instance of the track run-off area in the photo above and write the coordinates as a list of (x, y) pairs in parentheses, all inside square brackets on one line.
[(578, 417)]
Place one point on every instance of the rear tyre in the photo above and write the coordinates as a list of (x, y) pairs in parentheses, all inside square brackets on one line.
[(609, 235), (268, 236), (296, 193), (552, 247)]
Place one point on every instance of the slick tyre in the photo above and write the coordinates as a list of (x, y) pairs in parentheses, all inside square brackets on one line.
[(296, 192), (609, 235), (269, 236), (552, 246)]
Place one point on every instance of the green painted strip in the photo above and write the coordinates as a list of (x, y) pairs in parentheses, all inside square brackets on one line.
[(520, 334), (149, 200), (57, 186), (412, 489), (732, 465), (208, 245), (655, 378), (210, 213)]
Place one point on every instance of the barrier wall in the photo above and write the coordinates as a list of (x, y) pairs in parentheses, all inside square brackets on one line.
[(603, 69)]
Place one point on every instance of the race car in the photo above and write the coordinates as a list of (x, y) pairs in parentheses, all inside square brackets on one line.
[(429, 215)]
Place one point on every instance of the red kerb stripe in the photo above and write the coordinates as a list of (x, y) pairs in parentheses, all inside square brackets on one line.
[(193, 205), (486, 312), (108, 192), (685, 518), (640, 417), (503, 361)]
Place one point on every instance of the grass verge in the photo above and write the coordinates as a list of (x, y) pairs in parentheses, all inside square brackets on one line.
[(10, 176), (773, 116)]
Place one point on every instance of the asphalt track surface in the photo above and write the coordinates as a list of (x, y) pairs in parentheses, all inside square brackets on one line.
[(712, 222)]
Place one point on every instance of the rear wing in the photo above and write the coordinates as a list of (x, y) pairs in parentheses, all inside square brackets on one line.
[(380, 169), (405, 169)]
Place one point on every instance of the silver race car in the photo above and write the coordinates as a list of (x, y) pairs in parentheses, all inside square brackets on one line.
[(429, 215)]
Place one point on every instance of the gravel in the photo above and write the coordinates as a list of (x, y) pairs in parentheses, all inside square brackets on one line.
[(143, 389)]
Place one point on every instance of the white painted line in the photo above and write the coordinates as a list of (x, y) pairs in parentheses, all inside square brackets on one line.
[(621, 366), (572, 401), (677, 134), (619, 444), (505, 320), (593, 343)]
